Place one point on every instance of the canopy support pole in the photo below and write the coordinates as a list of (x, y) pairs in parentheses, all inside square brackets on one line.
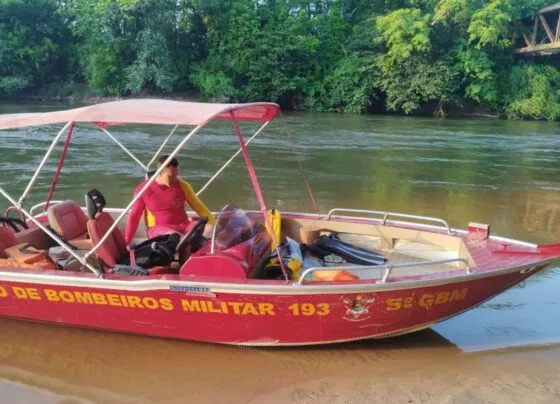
[(257, 188), (232, 158), (42, 164), (162, 146), (60, 164), (124, 148), (142, 190), (81, 260)]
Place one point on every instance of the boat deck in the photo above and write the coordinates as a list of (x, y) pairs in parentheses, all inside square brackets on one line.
[(398, 257)]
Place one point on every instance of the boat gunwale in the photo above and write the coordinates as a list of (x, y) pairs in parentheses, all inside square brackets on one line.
[(257, 286), (254, 286)]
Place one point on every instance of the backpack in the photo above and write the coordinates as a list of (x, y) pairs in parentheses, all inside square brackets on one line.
[(157, 251)]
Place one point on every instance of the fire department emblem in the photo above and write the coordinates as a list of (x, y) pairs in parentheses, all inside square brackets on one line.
[(357, 309)]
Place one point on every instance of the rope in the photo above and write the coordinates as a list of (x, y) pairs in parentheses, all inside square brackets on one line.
[(300, 165)]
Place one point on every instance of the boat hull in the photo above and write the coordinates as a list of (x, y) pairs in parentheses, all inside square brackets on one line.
[(287, 315)]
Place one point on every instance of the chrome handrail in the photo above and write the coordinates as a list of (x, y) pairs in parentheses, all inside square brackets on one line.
[(42, 204), (15, 208), (387, 214), (388, 268)]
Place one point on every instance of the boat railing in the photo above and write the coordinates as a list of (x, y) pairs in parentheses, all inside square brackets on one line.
[(42, 205), (14, 209), (386, 216), (388, 268)]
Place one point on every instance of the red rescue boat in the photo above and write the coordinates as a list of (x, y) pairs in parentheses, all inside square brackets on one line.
[(262, 278)]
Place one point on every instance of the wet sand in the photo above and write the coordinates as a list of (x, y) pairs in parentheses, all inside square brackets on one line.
[(50, 366)]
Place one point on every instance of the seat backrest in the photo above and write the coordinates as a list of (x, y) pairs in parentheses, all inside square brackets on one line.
[(114, 247), (240, 261), (68, 220), (7, 240), (95, 203)]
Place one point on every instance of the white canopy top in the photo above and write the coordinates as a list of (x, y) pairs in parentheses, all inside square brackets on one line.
[(145, 111)]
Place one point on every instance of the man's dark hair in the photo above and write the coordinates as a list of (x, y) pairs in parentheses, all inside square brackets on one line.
[(172, 163)]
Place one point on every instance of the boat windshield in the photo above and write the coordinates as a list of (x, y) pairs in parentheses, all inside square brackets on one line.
[(233, 227)]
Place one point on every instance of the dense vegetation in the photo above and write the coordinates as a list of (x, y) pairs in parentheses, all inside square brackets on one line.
[(330, 55)]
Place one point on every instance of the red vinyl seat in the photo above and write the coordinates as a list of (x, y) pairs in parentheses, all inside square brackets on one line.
[(113, 251), (68, 220), (241, 261)]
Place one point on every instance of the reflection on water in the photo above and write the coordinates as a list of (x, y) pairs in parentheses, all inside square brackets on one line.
[(104, 367), (522, 316), (503, 173)]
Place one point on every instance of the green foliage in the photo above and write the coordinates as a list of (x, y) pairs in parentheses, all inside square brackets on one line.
[(12, 84), (404, 32), (231, 29), (538, 94), (34, 45), (153, 65), (213, 85), (479, 78), (418, 80), (456, 11), (490, 23), (104, 72), (283, 63), (136, 45), (353, 86), (329, 55), (411, 76)]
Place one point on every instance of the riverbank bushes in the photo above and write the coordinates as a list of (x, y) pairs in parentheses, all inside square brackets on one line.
[(353, 56)]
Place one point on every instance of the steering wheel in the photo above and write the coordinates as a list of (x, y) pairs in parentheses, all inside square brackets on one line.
[(194, 235), (14, 222)]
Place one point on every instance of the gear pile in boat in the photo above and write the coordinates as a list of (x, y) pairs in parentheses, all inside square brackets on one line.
[(332, 250), (325, 251)]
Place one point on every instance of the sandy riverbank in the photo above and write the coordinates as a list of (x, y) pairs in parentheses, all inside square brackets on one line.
[(46, 365)]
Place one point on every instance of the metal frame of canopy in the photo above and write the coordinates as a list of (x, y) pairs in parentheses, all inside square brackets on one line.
[(230, 109)]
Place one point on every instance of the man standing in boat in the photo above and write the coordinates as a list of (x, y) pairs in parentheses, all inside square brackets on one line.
[(163, 205)]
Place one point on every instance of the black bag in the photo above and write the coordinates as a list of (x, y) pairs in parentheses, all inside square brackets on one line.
[(329, 245), (157, 251)]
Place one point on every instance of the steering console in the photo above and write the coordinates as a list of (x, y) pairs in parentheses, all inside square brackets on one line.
[(194, 236)]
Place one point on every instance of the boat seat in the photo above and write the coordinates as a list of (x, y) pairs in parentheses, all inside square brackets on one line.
[(241, 261), (69, 221), (21, 255), (113, 251)]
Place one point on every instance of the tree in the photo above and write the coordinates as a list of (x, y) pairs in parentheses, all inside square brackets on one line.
[(330, 55), (136, 45), (410, 74), (536, 93), (35, 45)]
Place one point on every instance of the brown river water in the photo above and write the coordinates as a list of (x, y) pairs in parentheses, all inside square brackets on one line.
[(503, 173)]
